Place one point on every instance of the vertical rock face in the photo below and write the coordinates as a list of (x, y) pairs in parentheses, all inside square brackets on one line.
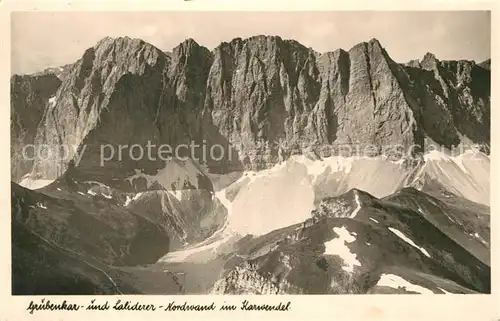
[(262, 99), (29, 96), (111, 96), (454, 97), (262, 89), (367, 99)]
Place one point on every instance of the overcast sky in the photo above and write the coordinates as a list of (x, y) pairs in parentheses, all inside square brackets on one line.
[(44, 39)]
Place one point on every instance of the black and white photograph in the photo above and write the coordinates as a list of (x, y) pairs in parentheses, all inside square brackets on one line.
[(250, 153)]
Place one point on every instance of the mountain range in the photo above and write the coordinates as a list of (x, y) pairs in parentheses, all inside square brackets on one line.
[(288, 210)]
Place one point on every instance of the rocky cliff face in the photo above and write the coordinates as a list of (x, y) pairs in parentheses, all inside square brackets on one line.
[(266, 90), (455, 100), (267, 97), (29, 96)]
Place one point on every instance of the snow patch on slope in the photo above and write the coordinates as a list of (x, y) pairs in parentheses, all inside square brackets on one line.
[(52, 101), (41, 205), (33, 184), (338, 246), (176, 175), (177, 194), (409, 241), (358, 205), (479, 238), (444, 291), (107, 196), (394, 281), (132, 199)]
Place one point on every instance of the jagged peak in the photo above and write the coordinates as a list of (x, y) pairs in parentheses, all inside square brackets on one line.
[(429, 55), (415, 63), (358, 46), (429, 61), (261, 39), (375, 42), (339, 51), (364, 45), (122, 49), (335, 54), (107, 41), (189, 46), (124, 43), (429, 58), (188, 43), (251, 39)]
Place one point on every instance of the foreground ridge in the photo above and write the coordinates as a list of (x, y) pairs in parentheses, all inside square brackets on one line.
[(392, 245)]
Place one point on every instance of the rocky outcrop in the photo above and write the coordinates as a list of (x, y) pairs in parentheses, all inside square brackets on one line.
[(266, 97), (246, 280)]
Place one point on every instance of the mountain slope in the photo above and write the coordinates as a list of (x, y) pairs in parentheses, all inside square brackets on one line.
[(356, 243), (463, 221), (40, 267), (91, 227)]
